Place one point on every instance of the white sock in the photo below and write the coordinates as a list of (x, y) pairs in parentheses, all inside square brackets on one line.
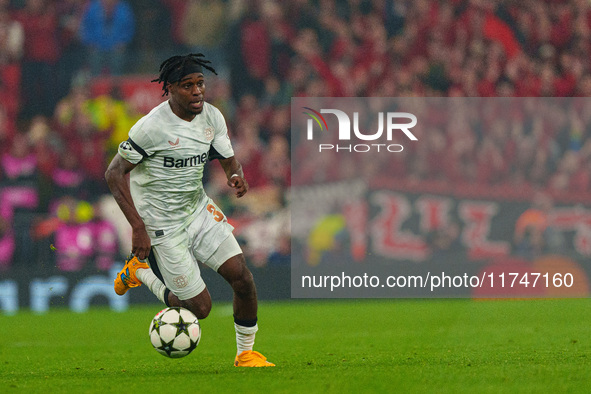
[(148, 278), (245, 337)]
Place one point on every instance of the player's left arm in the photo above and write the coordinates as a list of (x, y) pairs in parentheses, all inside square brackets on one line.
[(221, 149), (235, 175)]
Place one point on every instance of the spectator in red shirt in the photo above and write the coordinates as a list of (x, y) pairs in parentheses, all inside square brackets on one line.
[(72, 51), (41, 54)]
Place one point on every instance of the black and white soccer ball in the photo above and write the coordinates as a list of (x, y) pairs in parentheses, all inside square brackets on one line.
[(175, 332)]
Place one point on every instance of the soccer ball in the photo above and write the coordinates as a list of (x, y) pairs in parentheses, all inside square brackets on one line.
[(175, 332)]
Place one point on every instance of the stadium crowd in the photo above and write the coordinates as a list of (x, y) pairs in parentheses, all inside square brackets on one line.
[(56, 138)]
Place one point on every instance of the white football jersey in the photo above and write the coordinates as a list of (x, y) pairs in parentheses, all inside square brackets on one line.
[(166, 185)]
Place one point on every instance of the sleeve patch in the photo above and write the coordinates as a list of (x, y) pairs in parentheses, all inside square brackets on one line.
[(125, 150), (129, 153)]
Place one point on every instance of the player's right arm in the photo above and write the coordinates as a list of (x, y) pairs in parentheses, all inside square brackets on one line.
[(116, 177)]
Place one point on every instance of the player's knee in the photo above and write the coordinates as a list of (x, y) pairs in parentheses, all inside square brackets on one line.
[(243, 284), (200, 306), (200, 310), (239, 277)]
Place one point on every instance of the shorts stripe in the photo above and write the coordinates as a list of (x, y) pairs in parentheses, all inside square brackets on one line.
[(154, 266)]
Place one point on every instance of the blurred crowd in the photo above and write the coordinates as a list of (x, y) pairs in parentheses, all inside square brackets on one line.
[(56, 137)]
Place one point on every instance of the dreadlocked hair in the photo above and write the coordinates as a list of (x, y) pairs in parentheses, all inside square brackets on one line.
[(176, 63)]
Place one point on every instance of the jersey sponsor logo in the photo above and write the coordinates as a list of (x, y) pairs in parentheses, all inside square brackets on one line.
[(193, 161)]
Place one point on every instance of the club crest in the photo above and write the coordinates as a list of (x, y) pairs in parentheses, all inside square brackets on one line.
[(208, 132)]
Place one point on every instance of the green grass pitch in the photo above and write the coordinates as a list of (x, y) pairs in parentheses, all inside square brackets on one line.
[(455, 346)]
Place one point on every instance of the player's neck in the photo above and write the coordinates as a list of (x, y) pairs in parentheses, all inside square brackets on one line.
[(178, 111)]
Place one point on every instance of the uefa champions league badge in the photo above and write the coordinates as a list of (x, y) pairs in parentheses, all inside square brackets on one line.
[(125, 149), (208, 132)]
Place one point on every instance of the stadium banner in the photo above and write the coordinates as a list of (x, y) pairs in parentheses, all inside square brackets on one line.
[(42, 289), (384, 206)]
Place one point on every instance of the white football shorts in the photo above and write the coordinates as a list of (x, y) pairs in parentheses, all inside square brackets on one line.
[(177, 255)]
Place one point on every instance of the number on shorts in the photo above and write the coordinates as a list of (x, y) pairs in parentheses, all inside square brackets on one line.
[(217, 215)]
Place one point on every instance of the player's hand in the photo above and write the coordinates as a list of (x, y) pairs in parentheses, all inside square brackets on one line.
[(140, 243), (240, 184)]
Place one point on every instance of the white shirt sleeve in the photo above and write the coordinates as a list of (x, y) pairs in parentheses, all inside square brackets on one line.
[(221, 140), (138, 146)]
